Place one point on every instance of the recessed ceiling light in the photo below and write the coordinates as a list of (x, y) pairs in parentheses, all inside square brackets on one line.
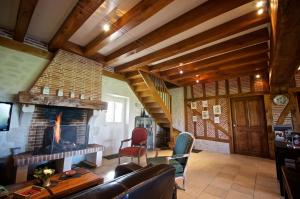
[(259, 4), (181, 71), (257, 76), (106, 27), (298, 67), (197, 75), (260, 11), (197, 81)]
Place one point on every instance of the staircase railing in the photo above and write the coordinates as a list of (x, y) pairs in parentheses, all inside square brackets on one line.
[(162, 90), (159, 91)]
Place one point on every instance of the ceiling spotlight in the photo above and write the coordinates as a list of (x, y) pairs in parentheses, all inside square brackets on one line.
[(298, 67), (257, 76), (181, 71), (260, 11), (259, 4), (197, 81), (106, 27), (197, 75)]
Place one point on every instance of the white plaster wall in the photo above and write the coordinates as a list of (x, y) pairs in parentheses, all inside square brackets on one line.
[(18, 71), (99, 133), (208, 145), (178, 108)]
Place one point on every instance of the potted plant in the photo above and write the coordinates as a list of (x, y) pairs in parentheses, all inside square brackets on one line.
[(44, 174)]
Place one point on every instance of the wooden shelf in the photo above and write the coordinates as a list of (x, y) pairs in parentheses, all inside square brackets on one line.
[(39, 99)]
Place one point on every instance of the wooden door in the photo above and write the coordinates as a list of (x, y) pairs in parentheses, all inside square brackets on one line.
[(249, 126)]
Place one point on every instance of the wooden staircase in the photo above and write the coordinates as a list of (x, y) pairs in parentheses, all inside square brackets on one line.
[(153, 94)]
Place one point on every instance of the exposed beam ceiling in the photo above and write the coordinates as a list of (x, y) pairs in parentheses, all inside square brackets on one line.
[(243, 41), (227, 74), (234, 26), (196, 16), (285, 55), (80, 13), (220, 59), (26, 9), (138, 14), (219, 67)]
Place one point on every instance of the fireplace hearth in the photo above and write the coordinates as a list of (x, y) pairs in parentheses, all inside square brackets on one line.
[(58, 129)]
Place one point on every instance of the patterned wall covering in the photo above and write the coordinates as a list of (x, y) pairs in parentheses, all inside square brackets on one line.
[(216, 94)]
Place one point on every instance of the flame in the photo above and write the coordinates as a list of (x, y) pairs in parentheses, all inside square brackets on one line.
[(57, 127)]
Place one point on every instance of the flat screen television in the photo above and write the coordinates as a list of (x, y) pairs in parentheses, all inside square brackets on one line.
[(5, 115)]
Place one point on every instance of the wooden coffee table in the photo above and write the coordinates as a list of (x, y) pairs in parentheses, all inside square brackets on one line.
[(62, 188)]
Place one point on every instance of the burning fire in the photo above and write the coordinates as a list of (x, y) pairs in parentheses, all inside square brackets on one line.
[(57, 127)]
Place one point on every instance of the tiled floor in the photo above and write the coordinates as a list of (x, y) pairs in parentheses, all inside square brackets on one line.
[(215, 175)]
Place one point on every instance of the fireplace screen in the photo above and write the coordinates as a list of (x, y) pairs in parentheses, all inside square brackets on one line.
[(57, 129)]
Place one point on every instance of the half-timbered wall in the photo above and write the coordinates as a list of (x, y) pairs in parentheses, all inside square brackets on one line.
[(218, 93)]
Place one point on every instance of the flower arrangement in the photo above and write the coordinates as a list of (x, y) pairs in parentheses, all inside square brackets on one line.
[(44, 174)]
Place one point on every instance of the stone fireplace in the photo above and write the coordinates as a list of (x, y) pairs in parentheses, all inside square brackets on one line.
[(58, 129)]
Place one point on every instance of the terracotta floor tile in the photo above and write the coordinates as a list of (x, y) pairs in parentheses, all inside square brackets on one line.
[(232, 194)]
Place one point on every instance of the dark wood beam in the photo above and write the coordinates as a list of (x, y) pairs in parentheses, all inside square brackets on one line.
[(135, 16), (80, 13), (220, 59), (227, 74), (74, 48), (243, 41), (232, 27), (26, 9), (219, 67), (196, 16), (285, 54)]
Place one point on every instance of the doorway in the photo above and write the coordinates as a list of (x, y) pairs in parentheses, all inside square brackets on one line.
[(115, 128), (249, 126)]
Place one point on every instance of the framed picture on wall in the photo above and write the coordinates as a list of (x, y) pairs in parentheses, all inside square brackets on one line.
[(193, 105), (195, 118), (205, 115), (217, 120), (217, 109), (204, 103)]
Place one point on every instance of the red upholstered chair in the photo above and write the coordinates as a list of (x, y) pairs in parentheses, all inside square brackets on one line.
[(138, 145)]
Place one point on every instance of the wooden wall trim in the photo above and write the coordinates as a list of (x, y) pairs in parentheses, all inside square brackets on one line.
[(114, 75), (230, 96), (15, 45)]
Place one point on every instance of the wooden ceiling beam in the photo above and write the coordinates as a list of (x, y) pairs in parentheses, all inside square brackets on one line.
[(220, 59), (232, 27), (196, 16), (219, 67), (243, 41), (135, 16), (285, 57), (26, 9), (74, 48), (225, 74), (214, 78), (80, 13)]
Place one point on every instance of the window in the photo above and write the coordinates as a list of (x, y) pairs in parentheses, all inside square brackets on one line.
[(114, 112)]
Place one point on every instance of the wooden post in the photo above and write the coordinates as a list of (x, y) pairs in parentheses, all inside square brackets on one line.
[(269, 119)]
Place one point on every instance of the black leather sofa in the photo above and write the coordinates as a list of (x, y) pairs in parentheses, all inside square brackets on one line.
[(151, 182)]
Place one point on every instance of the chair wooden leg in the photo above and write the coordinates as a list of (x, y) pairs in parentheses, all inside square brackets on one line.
[(119, 159)]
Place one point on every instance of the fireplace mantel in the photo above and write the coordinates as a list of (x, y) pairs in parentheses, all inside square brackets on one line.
[(39, 99)]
